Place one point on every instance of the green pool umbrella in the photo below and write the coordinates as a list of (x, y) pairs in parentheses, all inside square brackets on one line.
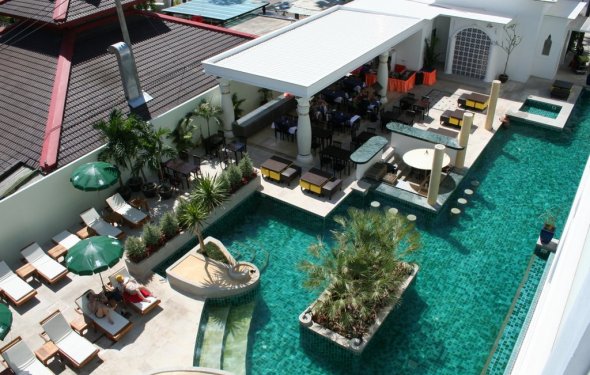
[(5, 320), (94, 255), (94, 176)]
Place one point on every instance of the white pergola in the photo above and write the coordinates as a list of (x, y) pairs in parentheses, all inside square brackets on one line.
[(307, 56)]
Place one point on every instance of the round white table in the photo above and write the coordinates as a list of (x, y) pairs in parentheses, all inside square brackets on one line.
[(421, 158)]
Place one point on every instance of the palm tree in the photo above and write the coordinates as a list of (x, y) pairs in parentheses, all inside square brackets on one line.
[(208, 194), (153, 149), (208, 112), (363, 272), (122, 136)]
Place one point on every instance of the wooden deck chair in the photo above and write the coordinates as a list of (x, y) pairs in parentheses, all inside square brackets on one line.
[(98, 225), (142, 307), (129, 214), (73, 347), (113, 331), (21, 359), (49, 269), (13, 287)]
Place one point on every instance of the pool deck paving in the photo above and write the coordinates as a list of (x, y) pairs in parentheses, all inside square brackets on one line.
[(166, 337)]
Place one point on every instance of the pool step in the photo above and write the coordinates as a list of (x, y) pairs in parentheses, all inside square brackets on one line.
[(212, 346), (236, 338)]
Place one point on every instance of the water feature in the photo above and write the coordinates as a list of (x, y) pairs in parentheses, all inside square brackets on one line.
[(540, 108)]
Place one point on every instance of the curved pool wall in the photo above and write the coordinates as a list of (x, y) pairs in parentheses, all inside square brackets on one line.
[(470, 268)]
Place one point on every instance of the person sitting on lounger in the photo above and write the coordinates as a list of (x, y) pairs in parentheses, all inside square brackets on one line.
[(98, 307), (132, 290)]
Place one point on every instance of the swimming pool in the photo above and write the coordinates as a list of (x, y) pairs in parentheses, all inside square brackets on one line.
[(470, 270), (540, 108)]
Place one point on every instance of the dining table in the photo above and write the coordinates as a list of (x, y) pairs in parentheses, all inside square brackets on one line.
[(236, 147), (182, 167)]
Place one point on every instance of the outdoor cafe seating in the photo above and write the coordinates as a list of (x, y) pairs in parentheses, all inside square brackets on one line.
[(285, 127)]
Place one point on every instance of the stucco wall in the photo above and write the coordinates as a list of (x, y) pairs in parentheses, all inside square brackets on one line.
[(546, 66), (43, 209), (408, 54)]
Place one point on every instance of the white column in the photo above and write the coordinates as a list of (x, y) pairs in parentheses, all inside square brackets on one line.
[(303, 132), (434, 183), (491, 68), (393, 54), (463, 139), (494, 94), (227, 116), (449, 63), (382, 76)]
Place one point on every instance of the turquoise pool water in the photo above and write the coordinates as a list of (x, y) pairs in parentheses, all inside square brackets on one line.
[(540, 108), (470, 269)]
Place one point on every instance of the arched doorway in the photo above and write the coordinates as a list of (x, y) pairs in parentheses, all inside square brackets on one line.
[(472, 49)]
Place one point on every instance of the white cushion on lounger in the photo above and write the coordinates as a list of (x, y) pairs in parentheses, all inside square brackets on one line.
[(119, 321), (11, 284), (75, 346), (93, 220), (46, 266), (66, 239), (22, 360), (130, 213)]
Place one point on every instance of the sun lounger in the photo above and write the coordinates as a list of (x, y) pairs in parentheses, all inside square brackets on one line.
[(21, 359), (13, 287), (49, 269), (63, 241), (130, 215), (99, 226), (73, 347), (113, 331), (142, 307)]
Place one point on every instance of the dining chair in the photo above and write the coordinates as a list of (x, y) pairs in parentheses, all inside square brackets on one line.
[(338, 166), (244, 141), (197, 162)]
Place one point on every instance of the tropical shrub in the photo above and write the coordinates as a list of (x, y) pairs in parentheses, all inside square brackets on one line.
[(234, 176), (151, 235), (246, 166), (135, 249), (169, 225), (363, 272)]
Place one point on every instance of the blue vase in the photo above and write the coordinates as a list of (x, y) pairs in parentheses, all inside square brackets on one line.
[(547, 235)]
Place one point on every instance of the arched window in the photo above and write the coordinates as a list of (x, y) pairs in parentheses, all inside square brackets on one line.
[(472, 48)]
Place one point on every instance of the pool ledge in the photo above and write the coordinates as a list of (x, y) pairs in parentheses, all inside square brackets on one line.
[(545, 122), (198, 276)]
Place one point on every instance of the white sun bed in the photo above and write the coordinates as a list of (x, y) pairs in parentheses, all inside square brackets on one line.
[(49, 269), (97, 224), (21, 359), (75, 348), (131, 215), (66, 239), (142, 307), (113, 331), (13, 287)]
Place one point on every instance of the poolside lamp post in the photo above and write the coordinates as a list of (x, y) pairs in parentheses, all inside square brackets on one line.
[(494, 93), (382, 75), (463, 139), (227, 106), (433, 185), (303, 132)]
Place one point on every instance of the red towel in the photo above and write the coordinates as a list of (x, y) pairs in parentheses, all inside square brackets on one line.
[(134, 298)]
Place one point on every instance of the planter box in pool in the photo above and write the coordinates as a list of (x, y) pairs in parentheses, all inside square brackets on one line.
[(355, 346), (144, 268)]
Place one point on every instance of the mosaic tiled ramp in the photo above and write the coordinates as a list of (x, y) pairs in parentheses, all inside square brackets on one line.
[(521, 312)]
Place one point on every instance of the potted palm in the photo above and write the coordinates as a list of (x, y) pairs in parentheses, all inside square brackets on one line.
[(510, 42), (549, 218), (182, 136), (122, 137), (153, 150), (208, 112), (363, 276)]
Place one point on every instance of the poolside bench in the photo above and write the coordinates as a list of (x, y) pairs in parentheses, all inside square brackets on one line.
[(290, 173), (329, 187), (474, 100)]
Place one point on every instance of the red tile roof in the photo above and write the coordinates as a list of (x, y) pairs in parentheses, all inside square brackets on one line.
[(168, 54)]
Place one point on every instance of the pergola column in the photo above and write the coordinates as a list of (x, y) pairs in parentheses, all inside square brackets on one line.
[(449, 63), (227, 106), (382, 76), (463, 139), (303, 132), (494, 94), (434, 183)]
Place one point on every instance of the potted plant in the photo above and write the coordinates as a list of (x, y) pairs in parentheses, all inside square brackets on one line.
[(165, 190), (265, 95), (151, 236), (169, 225), (237, 103), (430, 54), (510, 42), (149, 189), (122, 137), (549, 218), (135, 249), (208, 112), (182, 136)]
